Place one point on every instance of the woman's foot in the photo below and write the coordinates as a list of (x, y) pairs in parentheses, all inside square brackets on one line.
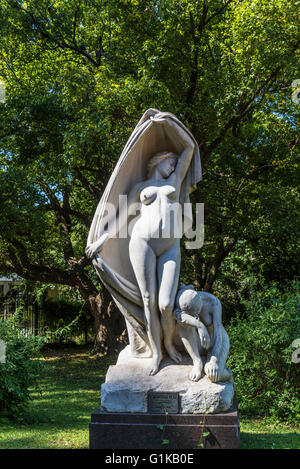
[(155, 365), (173, 353)]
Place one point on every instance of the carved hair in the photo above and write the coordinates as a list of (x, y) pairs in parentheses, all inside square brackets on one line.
[(188, 299), (156, 159)]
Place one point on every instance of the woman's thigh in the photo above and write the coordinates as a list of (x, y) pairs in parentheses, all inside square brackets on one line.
[(168, 268), (143, 261)]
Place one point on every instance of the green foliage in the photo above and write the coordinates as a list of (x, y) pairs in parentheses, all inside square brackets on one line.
[(20, 370), (63, 320), (267, 380), (78, 76)]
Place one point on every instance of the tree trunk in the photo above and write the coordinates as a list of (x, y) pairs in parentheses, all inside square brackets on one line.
[(109, 324), (197, 264), (222, 252)]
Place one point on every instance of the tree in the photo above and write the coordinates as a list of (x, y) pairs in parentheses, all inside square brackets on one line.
[(78, 76)]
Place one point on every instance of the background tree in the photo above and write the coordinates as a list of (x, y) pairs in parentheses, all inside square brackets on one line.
[(78, 76)]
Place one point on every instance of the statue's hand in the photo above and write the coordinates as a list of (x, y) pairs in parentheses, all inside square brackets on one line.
[(204, 337), (212, 370), (95, 247), (185, 137)]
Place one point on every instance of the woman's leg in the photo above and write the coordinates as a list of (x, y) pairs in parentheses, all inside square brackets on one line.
[(168, 267), (143, 261)]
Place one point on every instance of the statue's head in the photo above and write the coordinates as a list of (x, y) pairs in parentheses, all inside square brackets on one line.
[(188, 300), (165, 162)]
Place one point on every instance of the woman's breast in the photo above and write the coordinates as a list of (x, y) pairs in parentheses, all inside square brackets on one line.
[(160, 215), (161, 194)]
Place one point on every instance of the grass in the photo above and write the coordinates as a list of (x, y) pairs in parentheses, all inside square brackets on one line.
[(70, 391), (260, 433)]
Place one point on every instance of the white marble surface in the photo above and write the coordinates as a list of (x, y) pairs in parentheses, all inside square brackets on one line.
[(159, 166), (128, 382)]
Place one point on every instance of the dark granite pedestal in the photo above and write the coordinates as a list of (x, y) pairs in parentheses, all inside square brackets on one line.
[(110, 430)]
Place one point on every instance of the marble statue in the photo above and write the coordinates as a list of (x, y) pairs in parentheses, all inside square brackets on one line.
[(158, 168), (177, 343), (199, 318)]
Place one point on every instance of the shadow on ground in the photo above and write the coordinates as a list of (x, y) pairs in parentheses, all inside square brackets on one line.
[(69, 391)]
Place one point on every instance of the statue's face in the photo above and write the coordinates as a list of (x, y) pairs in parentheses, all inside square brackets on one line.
[(167, 166), (196, 305)]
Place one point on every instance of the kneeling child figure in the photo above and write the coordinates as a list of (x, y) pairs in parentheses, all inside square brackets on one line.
[(199, 323)]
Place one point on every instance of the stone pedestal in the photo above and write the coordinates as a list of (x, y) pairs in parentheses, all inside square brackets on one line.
[(182, 431), (128, 382), (132, 413)]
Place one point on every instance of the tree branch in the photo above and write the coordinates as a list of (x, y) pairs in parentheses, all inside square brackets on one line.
[(222, 252), (61, 43), (94, 191), (248, 106), (218, 12), (62, 215)]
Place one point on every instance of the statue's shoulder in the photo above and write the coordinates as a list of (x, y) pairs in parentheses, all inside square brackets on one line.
[(138, 187), (208, 297)]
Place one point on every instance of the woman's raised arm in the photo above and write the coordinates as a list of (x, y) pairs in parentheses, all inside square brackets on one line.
[(185, 158)]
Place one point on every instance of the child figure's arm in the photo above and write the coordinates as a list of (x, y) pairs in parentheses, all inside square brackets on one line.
[(204, 336), (186, 319), (189, 320)]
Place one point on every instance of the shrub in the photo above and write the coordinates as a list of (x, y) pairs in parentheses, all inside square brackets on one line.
[(66, 321), (267, 380), (20, 370)]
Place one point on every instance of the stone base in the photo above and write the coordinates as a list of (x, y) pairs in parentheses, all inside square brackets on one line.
[(182, 431), (128, 382)]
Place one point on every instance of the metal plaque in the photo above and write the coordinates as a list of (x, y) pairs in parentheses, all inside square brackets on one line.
[(162, 402)]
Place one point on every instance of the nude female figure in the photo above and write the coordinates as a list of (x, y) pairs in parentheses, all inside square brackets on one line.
[(154, 249)]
